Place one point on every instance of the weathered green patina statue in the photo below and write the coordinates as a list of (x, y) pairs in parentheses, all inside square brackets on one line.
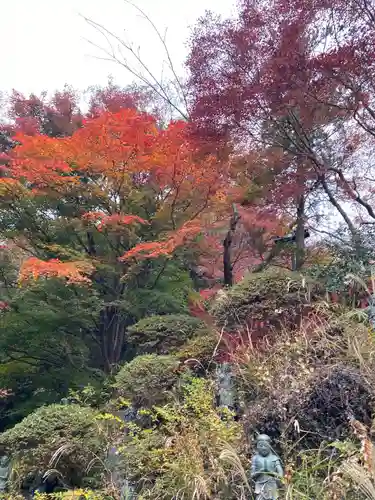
[(266, 470), (4, 472)]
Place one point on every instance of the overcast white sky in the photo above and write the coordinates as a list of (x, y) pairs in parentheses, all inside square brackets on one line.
[(43, 41)]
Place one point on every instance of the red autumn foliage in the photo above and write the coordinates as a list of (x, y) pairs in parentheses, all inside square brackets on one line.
[(4, 306), (57, 116), (113, 98), (292, 82), (60, 115)]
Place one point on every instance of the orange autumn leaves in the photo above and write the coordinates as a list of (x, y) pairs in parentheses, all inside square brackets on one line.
[(154, 249), (114, 146), (73, 272), (107, 159), (101, 220), (109, 145)]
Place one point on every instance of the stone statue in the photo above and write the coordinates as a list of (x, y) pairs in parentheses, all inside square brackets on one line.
[(370, 310), (225, 386), (266, 470), (4, 472)]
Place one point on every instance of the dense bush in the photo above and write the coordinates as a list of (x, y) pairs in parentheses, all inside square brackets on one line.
[(199, 350), (345, 256), (67, 438), (147, 379), (276, 297), (163, 334)]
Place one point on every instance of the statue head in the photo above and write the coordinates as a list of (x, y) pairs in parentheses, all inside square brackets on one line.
[(4, 461), (264, 445)]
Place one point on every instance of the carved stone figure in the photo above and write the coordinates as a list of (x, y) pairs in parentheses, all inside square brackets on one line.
[(370, 310), (225, 386), (4, 472), (266, 470)]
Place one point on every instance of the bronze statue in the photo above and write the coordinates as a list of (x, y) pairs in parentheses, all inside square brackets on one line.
[(266, 470)]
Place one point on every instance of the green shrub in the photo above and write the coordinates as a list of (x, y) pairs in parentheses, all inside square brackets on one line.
[(63, 437), (199, 350), (146, 379), (277, 297), (163, 334)]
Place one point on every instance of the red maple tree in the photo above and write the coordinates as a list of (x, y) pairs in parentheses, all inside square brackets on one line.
[(291, 85)]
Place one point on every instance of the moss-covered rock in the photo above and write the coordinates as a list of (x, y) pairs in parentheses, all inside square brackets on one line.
[(277, 298), (62, 437), (162, 334), (147, 379)]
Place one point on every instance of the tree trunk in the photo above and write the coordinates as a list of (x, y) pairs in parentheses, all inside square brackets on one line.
[(299, 255), (112, 336), (356, 238), (227, 244), (339, 208)]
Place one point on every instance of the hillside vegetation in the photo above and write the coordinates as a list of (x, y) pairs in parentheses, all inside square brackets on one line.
[(189, 263)]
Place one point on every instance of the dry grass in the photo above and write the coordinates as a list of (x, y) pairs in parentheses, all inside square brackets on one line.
[(327, 363)]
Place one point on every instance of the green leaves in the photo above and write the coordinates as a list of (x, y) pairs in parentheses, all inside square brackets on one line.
[(147, 379), (68, 437), (163, 334)]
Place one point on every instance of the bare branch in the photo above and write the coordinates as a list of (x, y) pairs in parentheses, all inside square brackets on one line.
[(354, 193), (151, 80), (165, 46)]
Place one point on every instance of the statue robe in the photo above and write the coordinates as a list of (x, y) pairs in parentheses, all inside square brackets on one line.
[(266, 485)]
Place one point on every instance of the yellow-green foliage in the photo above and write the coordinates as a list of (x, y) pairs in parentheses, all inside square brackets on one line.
[(184, 452), (163, 334), (316, 474), (11, 497), (276, 296), (146, 379), (74, 495)]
